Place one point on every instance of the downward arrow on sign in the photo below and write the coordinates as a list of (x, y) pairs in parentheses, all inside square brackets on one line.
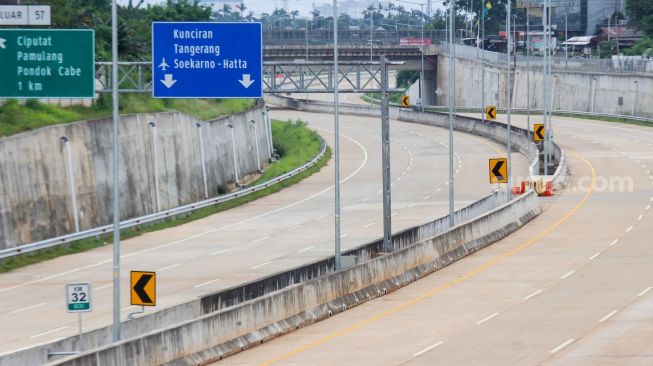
[(168, 81), (246, 81)]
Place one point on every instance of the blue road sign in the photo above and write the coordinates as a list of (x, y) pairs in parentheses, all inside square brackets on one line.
[(207, 60)]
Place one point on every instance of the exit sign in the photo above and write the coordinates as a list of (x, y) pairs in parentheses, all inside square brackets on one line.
[(47, 63)]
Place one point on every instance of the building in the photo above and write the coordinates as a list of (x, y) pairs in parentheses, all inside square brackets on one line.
[(581, 17)]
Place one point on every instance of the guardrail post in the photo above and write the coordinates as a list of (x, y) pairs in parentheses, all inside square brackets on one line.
[(71, 181), (258, 158), (155, 161), (233, 151), (200, 136), (267, 132), (385, 159), (636, 84)]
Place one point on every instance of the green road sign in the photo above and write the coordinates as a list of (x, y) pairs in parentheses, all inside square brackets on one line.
[(47, 63), (78, 297)]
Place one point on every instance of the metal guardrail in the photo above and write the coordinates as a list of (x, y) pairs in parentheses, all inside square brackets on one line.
[(555, 112), (49, 243)]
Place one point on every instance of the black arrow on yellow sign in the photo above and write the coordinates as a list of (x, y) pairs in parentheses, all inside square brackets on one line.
[(499, 170), (491, 112), (405, 101), (143, 288), (538, 132)]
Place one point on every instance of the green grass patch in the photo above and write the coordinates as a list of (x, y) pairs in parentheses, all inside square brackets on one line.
[(394, 97), (16, 117), (294, 142)]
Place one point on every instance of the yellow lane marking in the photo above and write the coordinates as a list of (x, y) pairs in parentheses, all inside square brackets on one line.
[(445, 286)]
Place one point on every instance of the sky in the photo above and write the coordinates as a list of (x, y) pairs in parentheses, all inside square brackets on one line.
[(305, 6)]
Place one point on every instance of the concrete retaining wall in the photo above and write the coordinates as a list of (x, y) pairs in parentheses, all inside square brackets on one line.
[(216, 335), (573, 91), (35, 199)]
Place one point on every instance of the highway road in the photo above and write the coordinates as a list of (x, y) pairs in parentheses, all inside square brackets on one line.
[(573, 287), (274, 233)]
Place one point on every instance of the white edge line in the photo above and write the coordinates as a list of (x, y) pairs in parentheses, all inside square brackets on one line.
[(486, 319), (417, 354), (261, 265), (568, 274), (168, 267), (640, 217), (103, 287), (220, 251), (305, 249), (645, 291), (206, 283), (28, 308), (610, 315), (533, 295), (49, 331), (630, 228), (427, 197), (595, 255), (614, 242), (563, 345), (261, 239), (368, 225)]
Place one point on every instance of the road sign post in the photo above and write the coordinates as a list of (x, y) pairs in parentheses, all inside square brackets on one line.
[(207, 60), (47, 63), (143, 288), (78, 300)]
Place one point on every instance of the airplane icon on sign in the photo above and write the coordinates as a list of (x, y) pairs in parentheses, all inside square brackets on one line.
[(163, 65)]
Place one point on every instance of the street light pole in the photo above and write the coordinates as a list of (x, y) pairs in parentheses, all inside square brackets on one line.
[(528, 72), (336, 131), (421, 84), (371, 36), (483, 62), (509, 64), (116, 181), (452, 101)]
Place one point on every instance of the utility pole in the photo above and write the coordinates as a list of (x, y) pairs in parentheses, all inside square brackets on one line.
[(421, 83), (483, 61), (528, 71), (116, 170), (509, 64), (336, 131), (371, 36), (452, 101)]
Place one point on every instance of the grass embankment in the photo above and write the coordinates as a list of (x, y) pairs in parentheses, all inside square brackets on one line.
[(295, 144), (15, 118), (394, 97)]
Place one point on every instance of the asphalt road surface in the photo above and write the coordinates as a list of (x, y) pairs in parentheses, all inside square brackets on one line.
[(573, 287), (271, 234)]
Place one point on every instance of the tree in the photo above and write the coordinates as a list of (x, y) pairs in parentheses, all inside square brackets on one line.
[(641, 15)]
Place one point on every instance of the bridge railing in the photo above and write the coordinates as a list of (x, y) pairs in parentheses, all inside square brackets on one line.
[(615, 65), (350, 37)]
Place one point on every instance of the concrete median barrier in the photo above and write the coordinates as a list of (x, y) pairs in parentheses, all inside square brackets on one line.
[(248, 314), (218, 334)]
